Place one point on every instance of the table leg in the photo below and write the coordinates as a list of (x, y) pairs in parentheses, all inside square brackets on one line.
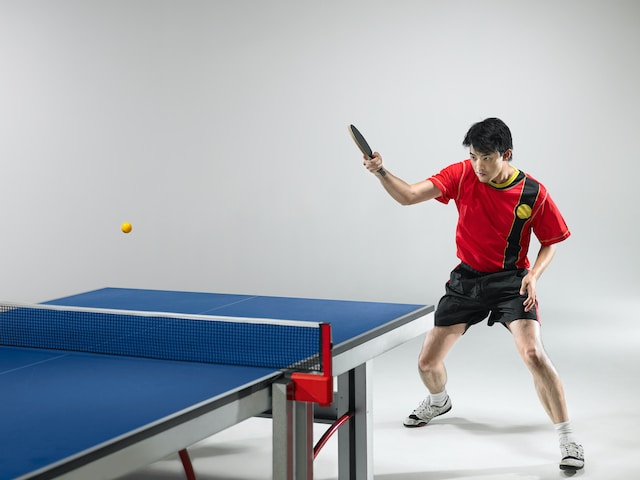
[(282, 430), (303, 440), (292, 434), (355, 438)]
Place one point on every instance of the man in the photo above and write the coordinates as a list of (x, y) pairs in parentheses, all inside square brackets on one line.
[(498, 207)]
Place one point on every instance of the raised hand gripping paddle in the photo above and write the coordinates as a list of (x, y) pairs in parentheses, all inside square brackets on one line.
[(363, 145)]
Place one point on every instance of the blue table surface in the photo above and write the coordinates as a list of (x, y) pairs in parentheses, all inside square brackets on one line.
[(54, 404)]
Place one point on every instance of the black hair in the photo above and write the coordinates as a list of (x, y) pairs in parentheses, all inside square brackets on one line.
[(488, 136)]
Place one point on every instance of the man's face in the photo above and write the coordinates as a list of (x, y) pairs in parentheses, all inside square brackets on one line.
[(490, 167)]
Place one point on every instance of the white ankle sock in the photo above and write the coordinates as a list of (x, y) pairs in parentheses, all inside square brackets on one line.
[(565, 432), (438, 399)]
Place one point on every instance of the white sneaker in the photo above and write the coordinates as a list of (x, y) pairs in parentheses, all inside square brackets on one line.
[(572, 456), (425, 412)]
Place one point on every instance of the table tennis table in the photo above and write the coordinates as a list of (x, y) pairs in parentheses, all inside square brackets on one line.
[(78, 415)]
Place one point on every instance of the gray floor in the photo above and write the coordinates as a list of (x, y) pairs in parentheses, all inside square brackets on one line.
[(497, 429)]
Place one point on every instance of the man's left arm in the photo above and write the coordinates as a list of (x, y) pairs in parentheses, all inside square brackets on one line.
[(528, 286)]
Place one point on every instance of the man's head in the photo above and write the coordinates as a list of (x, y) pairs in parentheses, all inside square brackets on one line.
[(489, 136), (490, 147)]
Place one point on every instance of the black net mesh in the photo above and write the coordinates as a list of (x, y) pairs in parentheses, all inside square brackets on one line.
[(261, 343)]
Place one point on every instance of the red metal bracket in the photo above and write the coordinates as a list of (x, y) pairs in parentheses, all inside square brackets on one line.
[(332, 429), (186, 464)]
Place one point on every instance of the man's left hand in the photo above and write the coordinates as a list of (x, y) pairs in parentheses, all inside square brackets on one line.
[(528, 288)]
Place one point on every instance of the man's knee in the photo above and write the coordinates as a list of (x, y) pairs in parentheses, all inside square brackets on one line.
[(437, 344), (534, 356), (427, 363)]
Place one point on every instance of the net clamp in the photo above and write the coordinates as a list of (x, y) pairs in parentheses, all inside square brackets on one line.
[(317, 387)]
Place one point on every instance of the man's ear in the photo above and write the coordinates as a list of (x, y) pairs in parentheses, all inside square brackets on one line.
[(507, 154)]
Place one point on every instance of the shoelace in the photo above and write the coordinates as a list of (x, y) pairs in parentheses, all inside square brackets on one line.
[(571, 450), (424, 407)]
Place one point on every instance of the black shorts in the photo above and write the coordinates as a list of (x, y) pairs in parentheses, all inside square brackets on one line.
[(471, 296)]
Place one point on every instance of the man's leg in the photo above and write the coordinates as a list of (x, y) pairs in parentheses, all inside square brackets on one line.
[(526, 334), (437, 344)]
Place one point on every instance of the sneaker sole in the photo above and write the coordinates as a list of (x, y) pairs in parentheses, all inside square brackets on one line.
[(423, 423)]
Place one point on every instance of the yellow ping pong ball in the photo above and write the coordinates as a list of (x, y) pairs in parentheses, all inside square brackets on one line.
[(126, 227)]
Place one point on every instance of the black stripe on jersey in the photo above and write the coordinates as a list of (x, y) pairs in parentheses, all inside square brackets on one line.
[(528, 196)]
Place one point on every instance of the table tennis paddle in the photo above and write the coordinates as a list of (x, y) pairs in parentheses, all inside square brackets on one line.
[(363, 145)]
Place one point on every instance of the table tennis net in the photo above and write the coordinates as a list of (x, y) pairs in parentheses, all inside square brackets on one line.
[(195, 338)]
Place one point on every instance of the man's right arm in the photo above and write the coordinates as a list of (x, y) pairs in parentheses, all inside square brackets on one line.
[(401, 191)]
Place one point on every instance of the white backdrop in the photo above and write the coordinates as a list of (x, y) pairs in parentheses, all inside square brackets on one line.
[(219, 130)]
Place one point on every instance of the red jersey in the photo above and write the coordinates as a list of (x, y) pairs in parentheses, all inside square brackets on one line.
[(495, 221)]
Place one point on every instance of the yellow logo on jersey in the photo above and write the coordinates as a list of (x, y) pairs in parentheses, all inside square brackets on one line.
[(523, 211)]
